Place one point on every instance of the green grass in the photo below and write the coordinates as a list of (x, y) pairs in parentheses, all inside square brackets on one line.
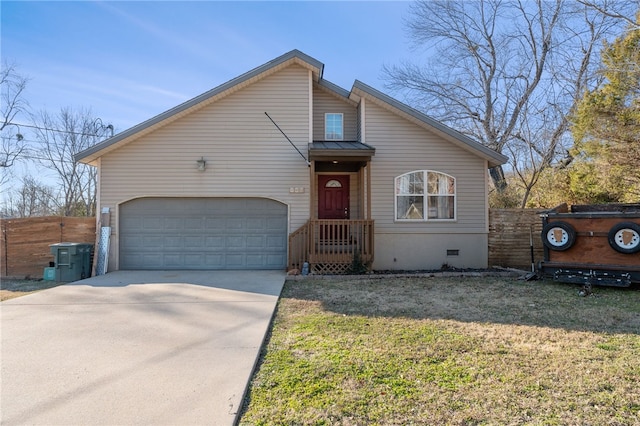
[(470, 351)]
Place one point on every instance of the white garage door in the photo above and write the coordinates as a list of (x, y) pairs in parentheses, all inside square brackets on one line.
[(203, 233)]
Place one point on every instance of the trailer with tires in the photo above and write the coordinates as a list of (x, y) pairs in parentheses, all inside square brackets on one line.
[(592, 244)]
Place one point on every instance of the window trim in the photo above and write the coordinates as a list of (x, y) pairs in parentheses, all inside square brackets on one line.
[(326, 114), (425, 195)]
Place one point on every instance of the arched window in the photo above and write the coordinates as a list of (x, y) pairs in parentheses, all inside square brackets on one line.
[(424, 195)]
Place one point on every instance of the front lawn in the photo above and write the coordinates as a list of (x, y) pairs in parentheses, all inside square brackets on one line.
[(450, 351), (11, 288)]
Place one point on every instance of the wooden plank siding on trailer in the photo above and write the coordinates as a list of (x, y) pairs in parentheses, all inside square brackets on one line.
[(592, 243)]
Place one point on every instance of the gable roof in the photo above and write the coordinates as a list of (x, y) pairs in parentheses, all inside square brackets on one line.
[(295, 56), (316, 67), (362, 90)]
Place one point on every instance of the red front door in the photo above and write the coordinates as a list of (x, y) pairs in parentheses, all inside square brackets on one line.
[(333, 197)]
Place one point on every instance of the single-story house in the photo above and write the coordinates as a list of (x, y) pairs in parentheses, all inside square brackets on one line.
[(279, 167)]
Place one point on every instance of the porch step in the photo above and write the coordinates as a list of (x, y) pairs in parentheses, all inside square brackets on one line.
[(334, 251)]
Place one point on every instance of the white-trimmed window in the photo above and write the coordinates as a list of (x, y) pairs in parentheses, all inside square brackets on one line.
[(425, 195), (333, 127)]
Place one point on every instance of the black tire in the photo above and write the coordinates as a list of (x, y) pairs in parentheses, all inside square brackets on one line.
[(558, 236), (624, 237)]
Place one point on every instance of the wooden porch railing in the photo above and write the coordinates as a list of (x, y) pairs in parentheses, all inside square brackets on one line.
[(330, 245)]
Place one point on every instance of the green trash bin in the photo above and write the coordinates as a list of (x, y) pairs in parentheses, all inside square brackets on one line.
[(49, 274), (72, 261)]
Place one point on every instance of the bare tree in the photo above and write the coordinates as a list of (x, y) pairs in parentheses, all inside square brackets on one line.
[(33, 198), (12, 86), (618, 9), (506, 73), (62, 137)]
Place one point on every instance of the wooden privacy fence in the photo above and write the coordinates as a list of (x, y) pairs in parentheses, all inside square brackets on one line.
[(510, 232), (24, 243)]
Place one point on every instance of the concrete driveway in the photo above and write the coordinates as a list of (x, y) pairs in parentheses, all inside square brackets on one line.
[(173, 347)]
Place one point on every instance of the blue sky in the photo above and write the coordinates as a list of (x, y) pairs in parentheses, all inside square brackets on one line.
[(129, 61)]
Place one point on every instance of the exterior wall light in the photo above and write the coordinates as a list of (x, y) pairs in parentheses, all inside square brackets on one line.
[(202, 164)]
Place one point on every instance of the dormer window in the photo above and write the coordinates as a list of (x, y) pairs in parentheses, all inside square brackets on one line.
[(333, 127)]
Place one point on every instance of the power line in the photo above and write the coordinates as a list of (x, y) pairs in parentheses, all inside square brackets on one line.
[(41, 142), (27, 153), (71, 132), (34, 157)]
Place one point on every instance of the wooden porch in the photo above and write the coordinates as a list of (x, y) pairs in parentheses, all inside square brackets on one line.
[(331, 245), (339, 233)]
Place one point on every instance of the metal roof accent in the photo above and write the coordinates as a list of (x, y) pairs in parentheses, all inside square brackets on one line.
[(341, 145), (343, 150)]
